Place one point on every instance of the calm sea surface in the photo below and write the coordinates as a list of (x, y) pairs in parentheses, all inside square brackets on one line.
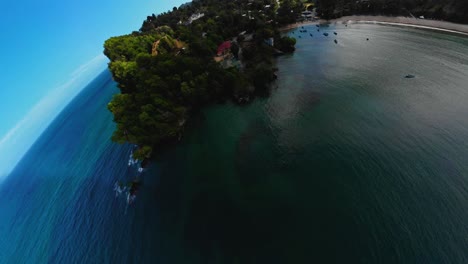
[(346, 162)]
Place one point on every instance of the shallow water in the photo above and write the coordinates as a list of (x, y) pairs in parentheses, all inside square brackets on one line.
[(346, 162)]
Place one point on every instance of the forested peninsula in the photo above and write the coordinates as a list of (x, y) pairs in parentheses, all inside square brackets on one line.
[(205, 51)]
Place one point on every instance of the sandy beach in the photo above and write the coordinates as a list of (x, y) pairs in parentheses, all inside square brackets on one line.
[(397, 21)]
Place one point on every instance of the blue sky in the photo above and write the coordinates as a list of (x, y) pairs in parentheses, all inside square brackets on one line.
[(49, 51)]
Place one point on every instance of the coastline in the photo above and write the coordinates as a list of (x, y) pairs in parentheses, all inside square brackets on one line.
[(437, 25)]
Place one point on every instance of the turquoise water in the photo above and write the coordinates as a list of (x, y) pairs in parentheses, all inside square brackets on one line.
[(345, 162)]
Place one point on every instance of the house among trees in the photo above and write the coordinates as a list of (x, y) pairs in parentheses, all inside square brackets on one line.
[(270, 42), (194, 17), (227, 55), (224, 48), (307, 15)]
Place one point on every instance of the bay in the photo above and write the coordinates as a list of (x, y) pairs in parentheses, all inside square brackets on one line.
[(346, 161)]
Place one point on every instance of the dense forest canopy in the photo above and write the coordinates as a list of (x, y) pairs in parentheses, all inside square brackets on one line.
[(450, 10), (176, 63)]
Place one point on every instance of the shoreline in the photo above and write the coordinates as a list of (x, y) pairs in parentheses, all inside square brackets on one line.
[(437, 25)]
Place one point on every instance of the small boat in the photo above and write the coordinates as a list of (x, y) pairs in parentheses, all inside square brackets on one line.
[(318, 30), (317, 25), (367, 39), (410, 76), (336, 41), (311, 35), (335, 33), (325, 34), (300, 37)]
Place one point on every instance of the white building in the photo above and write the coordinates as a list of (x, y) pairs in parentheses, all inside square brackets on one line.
[(195, 17)]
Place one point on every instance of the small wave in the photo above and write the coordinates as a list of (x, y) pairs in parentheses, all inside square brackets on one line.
[(131, 160)]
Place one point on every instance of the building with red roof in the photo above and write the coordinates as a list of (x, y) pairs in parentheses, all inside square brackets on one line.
[(224, 48)]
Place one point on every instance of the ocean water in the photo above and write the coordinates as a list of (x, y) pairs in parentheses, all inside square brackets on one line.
[(58, 205), (346, 161)]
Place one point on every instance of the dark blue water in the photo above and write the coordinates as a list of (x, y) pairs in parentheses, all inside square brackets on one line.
[(346, 162), (57, 205)]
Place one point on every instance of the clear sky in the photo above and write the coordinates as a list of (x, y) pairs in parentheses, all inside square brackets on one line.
[(49, 51)]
